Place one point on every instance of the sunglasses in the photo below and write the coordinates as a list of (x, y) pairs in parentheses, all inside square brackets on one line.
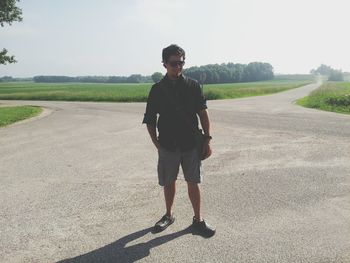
[(176, 63)]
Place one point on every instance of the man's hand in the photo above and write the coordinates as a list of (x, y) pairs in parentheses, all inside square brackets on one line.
[(206, 152), (153, 134), (204, 118)]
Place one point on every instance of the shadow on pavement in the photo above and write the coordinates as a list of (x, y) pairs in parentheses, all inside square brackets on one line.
[(118, 252)]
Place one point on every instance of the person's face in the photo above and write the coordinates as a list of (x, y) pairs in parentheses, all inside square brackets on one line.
[(174, 66)]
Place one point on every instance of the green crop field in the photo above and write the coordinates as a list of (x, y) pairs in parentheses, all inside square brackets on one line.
[(331, 96), (239, 90), (133, 92)]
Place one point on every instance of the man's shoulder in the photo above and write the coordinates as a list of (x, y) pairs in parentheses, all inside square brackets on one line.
[(157, 86), (191, 81)]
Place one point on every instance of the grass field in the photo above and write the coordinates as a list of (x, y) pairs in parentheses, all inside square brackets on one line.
[(331, 96), (239, 90), (10, 115), (132, 92)]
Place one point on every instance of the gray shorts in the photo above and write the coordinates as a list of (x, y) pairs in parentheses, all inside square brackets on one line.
[(169, 164)]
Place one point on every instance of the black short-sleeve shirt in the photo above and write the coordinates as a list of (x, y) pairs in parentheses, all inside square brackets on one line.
[(176, 103)]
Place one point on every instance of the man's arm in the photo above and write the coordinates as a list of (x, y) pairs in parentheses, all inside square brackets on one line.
[(153, 134), (150, 117), (205, 123)]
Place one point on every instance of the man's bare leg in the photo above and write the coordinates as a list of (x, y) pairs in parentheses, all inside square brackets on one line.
[(169, 194), (195, 197), (198, 225)]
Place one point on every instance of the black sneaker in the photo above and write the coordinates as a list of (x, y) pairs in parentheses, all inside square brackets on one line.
[(163, 223), (202, 228)]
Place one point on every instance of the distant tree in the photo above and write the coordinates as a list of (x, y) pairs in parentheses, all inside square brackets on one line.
[(53, 79), (230, 72), (322, 70), (225, 75), (9, 13), (6, 79), (237, 72), (116, 79), (256, 71), (90, 79), (156, 77), (336, 75), (136, 78), (333, 74)]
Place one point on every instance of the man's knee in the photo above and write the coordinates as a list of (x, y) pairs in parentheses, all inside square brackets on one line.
[(192, 185), (169, 185)]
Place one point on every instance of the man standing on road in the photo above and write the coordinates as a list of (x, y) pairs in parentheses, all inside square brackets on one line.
[(178, 100)]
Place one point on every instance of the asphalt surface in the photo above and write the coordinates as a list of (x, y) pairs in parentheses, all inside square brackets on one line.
[(79, 184)]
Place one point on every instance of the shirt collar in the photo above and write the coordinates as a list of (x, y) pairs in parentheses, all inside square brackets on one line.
[(180, 78)]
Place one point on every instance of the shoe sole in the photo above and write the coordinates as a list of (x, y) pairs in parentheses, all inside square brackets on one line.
[(196, 231), (160, 229)]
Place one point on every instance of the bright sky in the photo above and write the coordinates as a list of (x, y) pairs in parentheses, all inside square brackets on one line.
[(116, 37)]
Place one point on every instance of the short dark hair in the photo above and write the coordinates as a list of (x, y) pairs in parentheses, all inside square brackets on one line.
[(171, 51)]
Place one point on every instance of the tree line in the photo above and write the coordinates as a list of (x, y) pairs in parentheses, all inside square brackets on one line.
[(134, 78), (10, 79), (231, 72), (208, 74), (331, 73), (213, 73)]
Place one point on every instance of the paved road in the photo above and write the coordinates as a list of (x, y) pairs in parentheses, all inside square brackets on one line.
[(79, 185)]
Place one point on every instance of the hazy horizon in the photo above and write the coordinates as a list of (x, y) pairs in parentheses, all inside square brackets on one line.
[(120, 38)]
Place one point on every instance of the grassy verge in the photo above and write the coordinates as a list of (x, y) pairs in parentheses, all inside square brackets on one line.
[(331, 96), (132, 92), (10, 115)]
